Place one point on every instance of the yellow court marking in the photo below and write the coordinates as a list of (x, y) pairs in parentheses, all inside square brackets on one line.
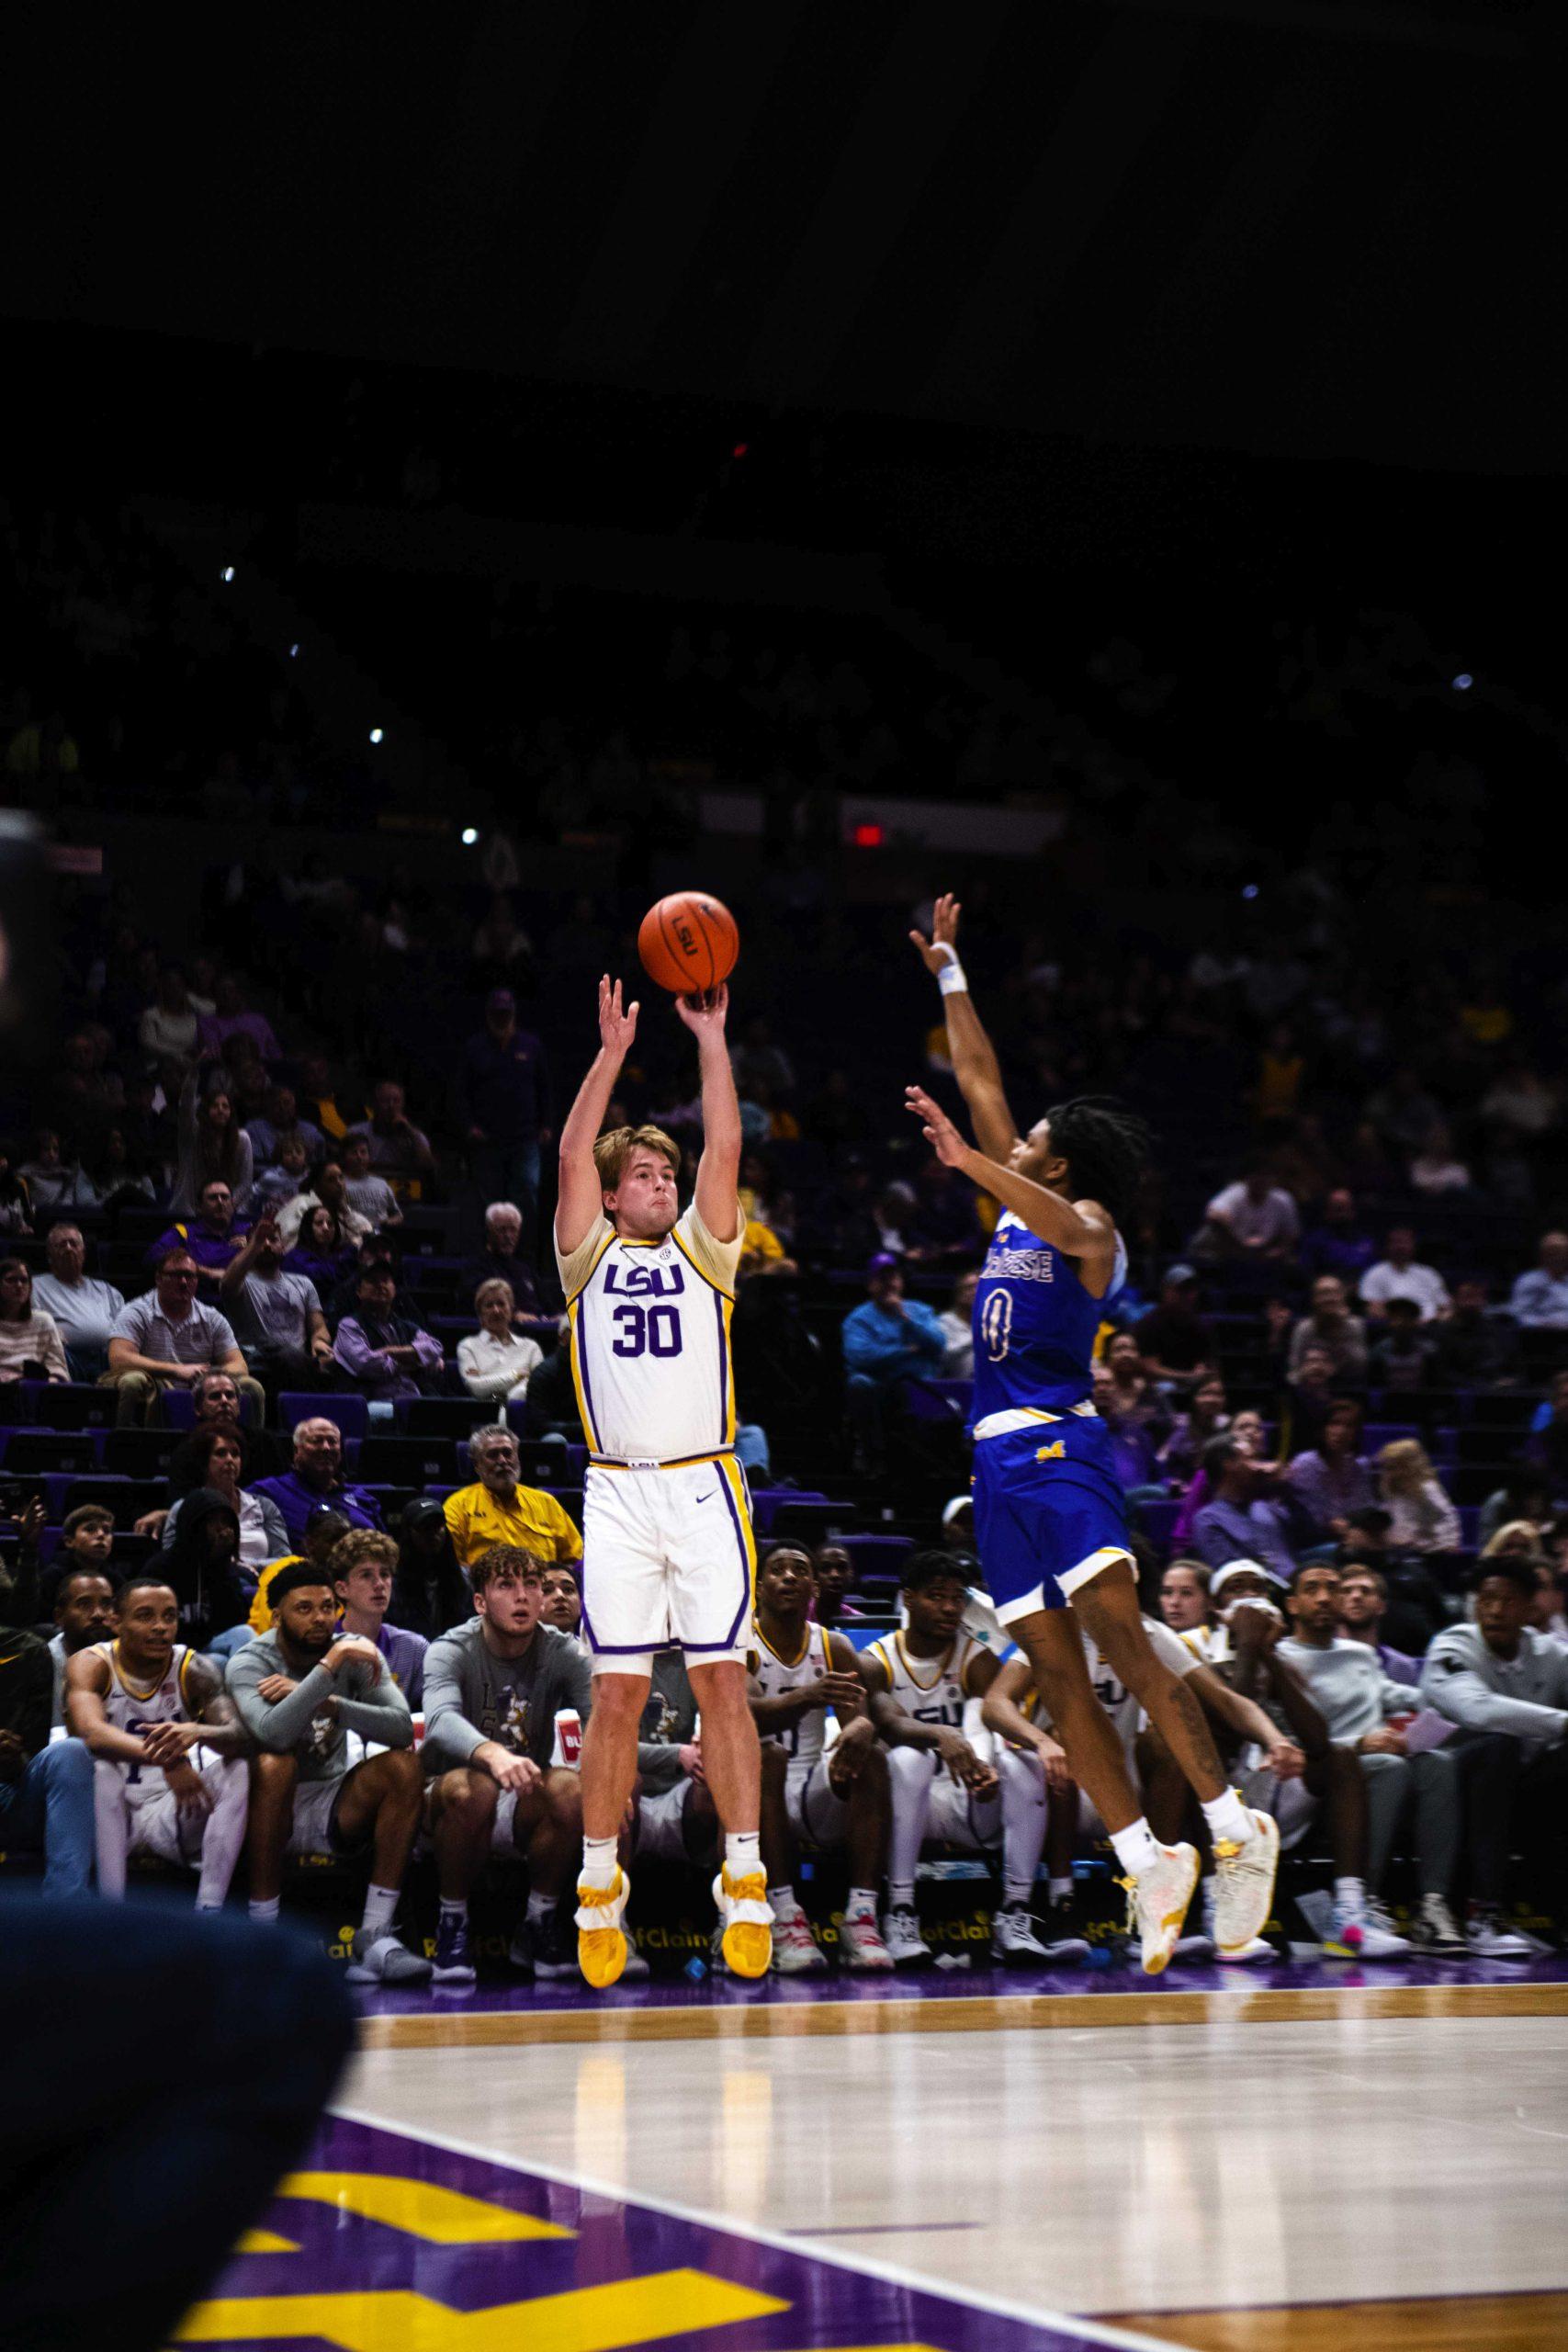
[(442, 2216), (1523, 2323), (265, 2241), (590, 2319), (982, 2013)]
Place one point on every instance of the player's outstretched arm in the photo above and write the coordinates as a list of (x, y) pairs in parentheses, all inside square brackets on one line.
[(1079, 1229), (582, 1201), (719, 1170), (974, 1063)]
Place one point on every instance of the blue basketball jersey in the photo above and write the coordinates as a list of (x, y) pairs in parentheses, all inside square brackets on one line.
[(1034, 1323)]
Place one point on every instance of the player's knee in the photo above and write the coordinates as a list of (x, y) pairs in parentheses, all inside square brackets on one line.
[(563, 1796), (909, 1767), (470, 1795), (873, 1773), (68, 1764), (618, 1699), (271, 1775), (401, 1773)]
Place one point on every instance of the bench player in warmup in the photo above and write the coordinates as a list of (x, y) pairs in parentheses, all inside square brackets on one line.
[(1049, 1515), (169, 1772), (668, 1555), (832, 1795), (920, 1680)]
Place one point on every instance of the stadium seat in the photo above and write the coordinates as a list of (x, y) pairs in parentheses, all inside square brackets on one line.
[(75, 1405), (351, 1412), (404, 1461), (454, 1417), (41, 1451), (139, 1453)]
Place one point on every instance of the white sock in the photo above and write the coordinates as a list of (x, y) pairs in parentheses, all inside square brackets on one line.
[(263, 1913), (783, 1899), (1137, 1849), (539, 1905), (1060, 1890), (1228, 1819), (901, 1895), (1350, 1897), (861, 1902), (599, 1861), (380, 1902), (454, 1906), (743, 1853)]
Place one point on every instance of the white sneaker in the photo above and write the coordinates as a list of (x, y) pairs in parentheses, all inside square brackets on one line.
[(1251, 1955), (386, 1962), (1489, 1936), (902, 1939), (860, 1940), (1244, 1883), (1435, 1928), (1157, 1902), (796, 1952), (1013, 1940), (1193, 1947)]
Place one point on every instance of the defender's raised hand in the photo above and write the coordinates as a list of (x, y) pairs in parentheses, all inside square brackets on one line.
[(941, 948), (704, 1015), (940, 1132), (618, 1027)]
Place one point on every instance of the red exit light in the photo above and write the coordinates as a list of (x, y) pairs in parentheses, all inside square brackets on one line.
[(867, 837)]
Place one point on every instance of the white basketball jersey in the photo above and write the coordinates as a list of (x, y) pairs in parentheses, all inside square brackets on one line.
[(929, 1689), (133, 1709), (1126, 1712), (808, 1735), (650, 1345)]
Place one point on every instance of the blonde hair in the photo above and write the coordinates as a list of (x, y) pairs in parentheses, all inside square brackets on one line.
[(495, 1287), (1505, 1542), (615, 1148), (1406, 1465)]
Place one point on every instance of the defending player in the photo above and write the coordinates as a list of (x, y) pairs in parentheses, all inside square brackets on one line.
[(832, 1795), (918, 1681), (169, 1775), (667, 1556), (1048, 1511)]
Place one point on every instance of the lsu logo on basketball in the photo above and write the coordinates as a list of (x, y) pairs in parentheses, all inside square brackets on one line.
[(1056, 1451)]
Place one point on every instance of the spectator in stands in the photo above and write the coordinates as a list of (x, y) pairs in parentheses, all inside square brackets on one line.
[(169, 1337), (504, 1098), (561, 1584), (122, 1176), (214, 1236), (1333, 1480), (430, 1592), (369, 1195), (496, 1510), (277, 1315), (52, 1182), (1399, 1274), (1435, 1168), (397, 1148), (316, 1478), (1340, 1244), (1176, 1343), (1364, 1605), (328, 1191), (1254, 1217), (46, 1786), (943, 1228), (1505, 1686), (493, 1688), (212, 1146), (320, 1252), (86, 1539), (1422, 1519), (1472, 1347), (299, 1691), (364, 1566), (280, 1120), (1356, 1699), (1525, 1493), (1539, 1301), (202, 1562), (958, 1329), (285, 1179), (82, 1609), (1402, 1355), (1184, 1599), (83, 1308), (1519, 1105), (1546, 1448), (230, 1018), (759, 1058), (30, 1345), (216, 1462), (15, 1202), (1404, 1113), (497, 1362), (836, 1575), (498, 1261), (1240, 1522), (1205, 1417), (1331, 1326), (385, 1355), (167, 1030), (887, 1341)]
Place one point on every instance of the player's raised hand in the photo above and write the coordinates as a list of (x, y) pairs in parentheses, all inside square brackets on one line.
[(940, 1132), (617, 1025), (704, 1015), (941, 948)]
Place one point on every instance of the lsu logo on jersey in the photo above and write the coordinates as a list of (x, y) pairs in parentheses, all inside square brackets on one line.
[(644, 1281), (996, 1324), (1057, 1452)]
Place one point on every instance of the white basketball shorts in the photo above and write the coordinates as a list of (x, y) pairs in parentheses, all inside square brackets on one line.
[(668, 1562)]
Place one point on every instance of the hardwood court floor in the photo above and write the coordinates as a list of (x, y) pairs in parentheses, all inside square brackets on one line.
[(1237, 2179)]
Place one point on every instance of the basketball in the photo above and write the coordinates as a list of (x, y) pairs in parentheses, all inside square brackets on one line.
[(688, 943)]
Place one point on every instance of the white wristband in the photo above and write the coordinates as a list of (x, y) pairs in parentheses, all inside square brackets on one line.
[(951, 979)]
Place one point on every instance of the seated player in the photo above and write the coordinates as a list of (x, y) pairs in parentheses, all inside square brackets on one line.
[(563, 1597), (363, 1564), (298, 1691), (834, 1796), (170, 1777), (493, 1690), (918, 1679), (835, 1577)]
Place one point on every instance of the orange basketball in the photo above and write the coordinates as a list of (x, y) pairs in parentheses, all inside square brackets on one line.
[(688, 943)]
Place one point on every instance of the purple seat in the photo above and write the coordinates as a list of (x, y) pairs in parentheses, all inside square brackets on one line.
[(351, 1412)]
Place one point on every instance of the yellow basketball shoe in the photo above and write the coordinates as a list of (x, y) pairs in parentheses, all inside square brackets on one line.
[(600, 1940), (746, 1922)]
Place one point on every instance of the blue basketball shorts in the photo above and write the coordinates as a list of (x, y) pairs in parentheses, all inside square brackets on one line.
[(1049, 1513)]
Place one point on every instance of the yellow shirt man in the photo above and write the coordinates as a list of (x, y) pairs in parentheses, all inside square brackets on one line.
[(527, 1520)]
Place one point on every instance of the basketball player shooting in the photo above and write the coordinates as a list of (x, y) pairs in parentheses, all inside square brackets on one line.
[(1049, 1517), (668, 1555)]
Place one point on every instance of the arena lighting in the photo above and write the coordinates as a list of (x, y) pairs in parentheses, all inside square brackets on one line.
[(293, 651), (228, 573), (868, 837), (470, 835), (375, 734), (1463, 683)]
